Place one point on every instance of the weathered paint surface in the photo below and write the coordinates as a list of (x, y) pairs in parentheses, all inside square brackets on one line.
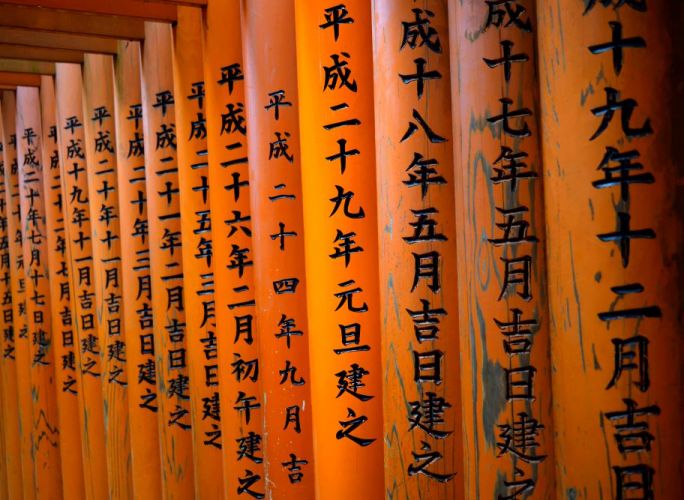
[(506, 369), (617, 383), (63, 333), (89, 345), (417, 235), (166, 266), (45, 441)]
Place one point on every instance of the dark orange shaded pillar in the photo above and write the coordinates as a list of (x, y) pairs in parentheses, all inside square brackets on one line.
[(268, 39), (334, 63), (100, 143), (237, 330), (506, 375), (417, 235), (5, 426), (193, 179), (135, 274), (18, 286), (78, 235), (168, 311), (62, 321), (3, 473), (44, 420), (612, 100), (8, 367)]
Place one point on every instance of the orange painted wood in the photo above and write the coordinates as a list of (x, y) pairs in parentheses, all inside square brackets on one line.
[(27, 67), (11, 51), (66, 380), (3, 473), (58, 40), (279, 275), (144, 9), (18, 274), (100, 144), (163, 209), (237, 333), (417, 235), (19, 79), (334, 63), (90, 345), (135, 274), (33, 18), (8, 368), (4, 427), (44, 425), (198, 282), (610, 370), (506, 382)]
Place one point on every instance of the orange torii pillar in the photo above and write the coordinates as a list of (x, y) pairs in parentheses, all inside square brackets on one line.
[(8, 367), (334, 62), (100, 137), (66, 380), (163, 209), (135, 274), (277, 226), (7, 428), (45, 420), (237, 330), (193, 178), (419, 301), (506, 379), (612, 100), (77, 224), (3, 473), (18, 280)]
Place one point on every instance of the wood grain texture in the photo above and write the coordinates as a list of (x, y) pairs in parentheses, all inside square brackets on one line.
[(100, 144), (417, 235), (18, 286), (8, 367), (135, 275), (44, 420), (605, 365), (63, 326), (90, 346), (166, 267), (506, 370)]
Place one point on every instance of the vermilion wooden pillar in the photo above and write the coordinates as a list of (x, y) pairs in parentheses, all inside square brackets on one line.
[(168, 311), (334, 62), (193, 179), (612, 102), (506, 375), (18, 286), (135, 274), (8, 367), (3, 473), (5, 361), (44, 420), (417, 235), (100, 142), (62, 321), (237, 336), (268, 39), (89, 351)]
